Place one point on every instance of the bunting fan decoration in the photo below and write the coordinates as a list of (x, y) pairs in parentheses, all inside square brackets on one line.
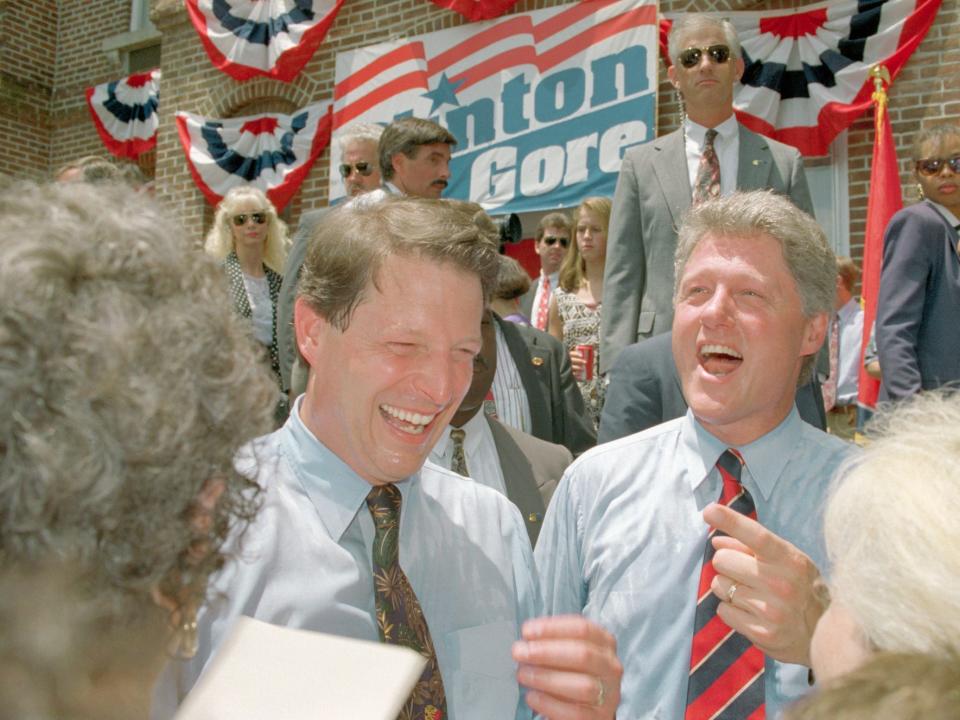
[(276, 38), (125, 113), (806, 76), (474, 10), (272, 152)]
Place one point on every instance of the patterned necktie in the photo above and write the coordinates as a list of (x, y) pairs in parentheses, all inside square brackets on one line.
[(543, 309), (726, 670), (400, 619), (459, 461), (707, 184), (829, 386)]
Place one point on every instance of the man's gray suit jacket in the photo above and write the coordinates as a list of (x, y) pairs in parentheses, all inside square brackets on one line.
[(645, 391), (286, 345), (532, 469), (557, 412), (652, 195)]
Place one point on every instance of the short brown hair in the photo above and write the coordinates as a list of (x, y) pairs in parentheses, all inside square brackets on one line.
[(405, 136), (554, 219), (353, 240), (512, 279), (848, 271)]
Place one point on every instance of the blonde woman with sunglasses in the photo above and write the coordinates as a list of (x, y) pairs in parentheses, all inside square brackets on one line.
[(251, 241)]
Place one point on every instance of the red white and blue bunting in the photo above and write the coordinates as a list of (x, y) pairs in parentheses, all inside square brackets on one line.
[(272, 152), (807, 71), (125, 113), (276, 38), (477, 9)]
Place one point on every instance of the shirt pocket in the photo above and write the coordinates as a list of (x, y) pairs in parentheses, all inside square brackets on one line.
[(483, 684)]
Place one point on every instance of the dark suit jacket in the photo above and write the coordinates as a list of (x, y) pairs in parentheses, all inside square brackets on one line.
[(653, 193), (286, 344), (645, 391), (526, 300), (918, 306), (532, 469), (557, 411)]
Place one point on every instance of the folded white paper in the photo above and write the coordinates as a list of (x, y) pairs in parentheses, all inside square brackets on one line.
[(265, 671)]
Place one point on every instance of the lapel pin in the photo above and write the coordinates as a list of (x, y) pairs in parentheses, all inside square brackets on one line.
[(537, 361), (756, 162)]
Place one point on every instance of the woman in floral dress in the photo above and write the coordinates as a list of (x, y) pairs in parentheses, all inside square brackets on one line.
[(575, 306)]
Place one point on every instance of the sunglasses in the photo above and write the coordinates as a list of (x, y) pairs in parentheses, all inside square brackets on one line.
[(258, 217), (932, 166), (364, 168), (550, 240), (691, 57)]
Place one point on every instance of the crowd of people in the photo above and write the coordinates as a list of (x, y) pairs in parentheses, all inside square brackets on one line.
[(624, 488)]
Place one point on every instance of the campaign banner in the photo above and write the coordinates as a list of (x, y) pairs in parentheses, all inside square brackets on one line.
[(543, 104)]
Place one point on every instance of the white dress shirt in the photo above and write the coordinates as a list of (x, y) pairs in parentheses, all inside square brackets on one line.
[(479, 450), (726, 145), (509, 395), (554, 279), (850, 336)]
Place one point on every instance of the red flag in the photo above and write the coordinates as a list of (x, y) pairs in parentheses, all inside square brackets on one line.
[(474, 10), (885, 199)]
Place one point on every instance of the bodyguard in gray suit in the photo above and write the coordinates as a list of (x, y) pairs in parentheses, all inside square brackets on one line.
[(654, 189), (360, 171)]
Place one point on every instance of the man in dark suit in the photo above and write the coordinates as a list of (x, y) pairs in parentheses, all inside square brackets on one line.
[(556, 410), (476, 445), (550, 244), (645, 390), (360, 171), (657, 181)]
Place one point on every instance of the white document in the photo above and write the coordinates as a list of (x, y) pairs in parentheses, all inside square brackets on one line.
[(265, 671)]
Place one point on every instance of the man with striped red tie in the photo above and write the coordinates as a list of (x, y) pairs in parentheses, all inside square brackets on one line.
[(697, 542)]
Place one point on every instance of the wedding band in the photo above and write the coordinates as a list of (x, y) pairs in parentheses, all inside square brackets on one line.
[(601, 693), (731, 592)]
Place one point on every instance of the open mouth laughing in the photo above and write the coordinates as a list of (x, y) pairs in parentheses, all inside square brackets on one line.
[(719, 360), (412, 423)]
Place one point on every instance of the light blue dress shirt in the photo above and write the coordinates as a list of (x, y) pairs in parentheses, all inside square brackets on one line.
[(305, 562), (624, 537), (850, 336)]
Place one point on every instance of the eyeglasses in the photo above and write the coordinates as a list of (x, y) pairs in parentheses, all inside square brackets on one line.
[(933, 166), (550, 240), (364, 168), (690, 57), (258, 217)]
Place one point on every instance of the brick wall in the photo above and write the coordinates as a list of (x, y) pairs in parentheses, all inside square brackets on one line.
[(926, 92), (27, 56)]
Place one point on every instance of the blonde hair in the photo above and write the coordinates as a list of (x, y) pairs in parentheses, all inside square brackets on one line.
[(891, 529), (219, 241), (574, 267)]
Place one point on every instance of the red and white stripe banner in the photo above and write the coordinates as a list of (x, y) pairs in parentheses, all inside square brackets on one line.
[(125, 113), (276, 38), (272, 152)]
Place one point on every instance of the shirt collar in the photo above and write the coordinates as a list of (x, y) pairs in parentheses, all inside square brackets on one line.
[(335, 490), (764, 459), (849, 308), (726, 130)]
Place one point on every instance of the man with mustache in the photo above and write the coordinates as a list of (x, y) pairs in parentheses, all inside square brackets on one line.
[(415, 157)]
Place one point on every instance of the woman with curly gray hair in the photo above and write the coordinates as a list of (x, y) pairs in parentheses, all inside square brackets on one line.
[(119, 362), (251, 241)]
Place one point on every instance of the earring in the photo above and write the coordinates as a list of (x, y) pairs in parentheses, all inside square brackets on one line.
[(920, 191)]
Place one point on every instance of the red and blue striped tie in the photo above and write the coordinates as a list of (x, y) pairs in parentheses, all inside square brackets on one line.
[(726, 670)]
